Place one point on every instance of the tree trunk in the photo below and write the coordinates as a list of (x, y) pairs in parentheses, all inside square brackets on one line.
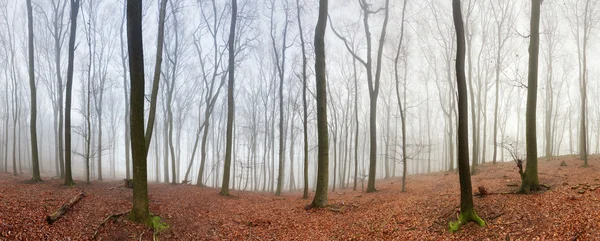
[(529, 179), (467, 212), (33, 106), (126, 97), (320, 199), (156, 81), (139, 212), (230, 101), (304, 101), (74, 12), (356, 123)]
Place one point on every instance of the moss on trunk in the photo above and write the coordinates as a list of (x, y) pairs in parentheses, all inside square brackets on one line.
[(466, 216)]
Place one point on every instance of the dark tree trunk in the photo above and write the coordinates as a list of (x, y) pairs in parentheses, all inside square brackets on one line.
[(320, 199), (467, 212), (529, 179), (230, 101), (156, 81), (139, 212), (74, 12), (33, 106)]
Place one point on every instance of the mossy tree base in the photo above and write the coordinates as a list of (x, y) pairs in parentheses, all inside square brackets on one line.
[(528, 185), (464, 218)]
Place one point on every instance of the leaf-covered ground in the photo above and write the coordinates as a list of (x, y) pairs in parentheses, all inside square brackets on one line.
[(569, 210)]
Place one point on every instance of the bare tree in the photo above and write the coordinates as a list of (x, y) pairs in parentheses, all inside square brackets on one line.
[(33, 121), (529, 177), (467, 211), (504, 18), (230, 101), (581, 27), (304, 101), (55, 26), (373, 81), (124, 56), (139, 212), (280, 60), (72, 37), (320, 199)]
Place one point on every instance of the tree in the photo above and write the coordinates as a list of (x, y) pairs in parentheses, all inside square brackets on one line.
[(402, 109), (373, 81), (280, 59), (213, 76), (74, 11), (582, 24), (125, 93), (304, 102), (139, 211), (156, 81), (33, 121), (230, 101), (504, 19), (55, 26), (320, 199), (467, 211), (551, 43), (529, 178)]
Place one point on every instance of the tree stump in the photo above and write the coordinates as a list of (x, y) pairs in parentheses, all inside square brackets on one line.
[(128, 183)]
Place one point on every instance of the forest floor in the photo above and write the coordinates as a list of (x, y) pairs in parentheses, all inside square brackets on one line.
[(569, 210)]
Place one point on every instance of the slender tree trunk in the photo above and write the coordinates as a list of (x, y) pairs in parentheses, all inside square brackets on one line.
[(156, 80), (74, 12), (467, 212), (292, 183), (126, 96), (33, 106), (230, 100), (304, 101)]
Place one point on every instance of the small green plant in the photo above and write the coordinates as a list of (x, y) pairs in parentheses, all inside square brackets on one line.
[(158, 225), (563, 164)]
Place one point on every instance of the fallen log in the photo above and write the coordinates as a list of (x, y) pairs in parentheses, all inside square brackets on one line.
[(64, 208)]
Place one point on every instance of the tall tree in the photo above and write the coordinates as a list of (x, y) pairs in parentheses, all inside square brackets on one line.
[(156, 81), (467, 211), (33, 121), (320, 199), (373, 81), (304, 102), (230, 101), (139, 212), (74, 12), (399, 100), (529, 178), (127, 136), (280, 59), (582, 22), (503, 17), (55, 25)]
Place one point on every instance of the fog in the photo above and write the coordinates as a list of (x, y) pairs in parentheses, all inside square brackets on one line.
[(188, 142)]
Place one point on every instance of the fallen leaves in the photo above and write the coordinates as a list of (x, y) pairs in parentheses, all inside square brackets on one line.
[(420, 213)]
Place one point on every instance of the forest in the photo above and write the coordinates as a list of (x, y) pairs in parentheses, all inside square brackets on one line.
[(299, 120)]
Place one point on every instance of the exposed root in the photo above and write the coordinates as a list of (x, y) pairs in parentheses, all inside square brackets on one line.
[(464, 218)]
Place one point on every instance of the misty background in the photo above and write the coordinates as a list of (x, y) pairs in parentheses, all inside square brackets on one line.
[(189, 137)]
